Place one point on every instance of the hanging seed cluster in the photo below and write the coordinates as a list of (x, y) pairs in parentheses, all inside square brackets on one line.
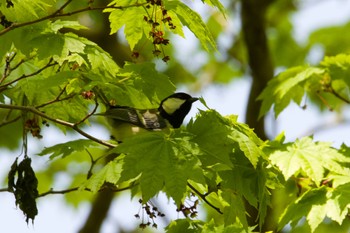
[(189, 209), (157, 21), (150, 212)]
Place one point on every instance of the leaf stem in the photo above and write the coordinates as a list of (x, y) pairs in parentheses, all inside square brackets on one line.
[(204, 198), (49, 64), (6, 122), (336, 94)]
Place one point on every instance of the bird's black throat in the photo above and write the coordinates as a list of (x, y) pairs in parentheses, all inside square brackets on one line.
[(177, 117)]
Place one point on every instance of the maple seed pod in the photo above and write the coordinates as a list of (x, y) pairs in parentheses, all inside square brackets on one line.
[(165, 41), (156, 52), (157, 40), (135, 54), (88, 95)]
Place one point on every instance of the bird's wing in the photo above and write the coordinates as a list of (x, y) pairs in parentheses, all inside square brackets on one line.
[(147, 119)]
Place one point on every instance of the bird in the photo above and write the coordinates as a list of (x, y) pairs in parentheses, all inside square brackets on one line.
[(127, 121)]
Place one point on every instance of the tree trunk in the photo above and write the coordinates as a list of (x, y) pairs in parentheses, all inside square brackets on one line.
[(98, 212), (261, 68), (259, 59)]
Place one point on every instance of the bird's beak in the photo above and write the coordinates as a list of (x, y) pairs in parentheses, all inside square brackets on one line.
[(193, 99)]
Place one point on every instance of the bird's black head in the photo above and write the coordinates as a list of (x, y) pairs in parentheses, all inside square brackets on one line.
[(174, 108)]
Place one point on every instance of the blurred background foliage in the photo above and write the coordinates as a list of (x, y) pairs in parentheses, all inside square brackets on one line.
[(194, 69)]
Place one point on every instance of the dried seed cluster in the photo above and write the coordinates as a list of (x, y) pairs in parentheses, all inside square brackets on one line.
[(157, 19), (32, 126), (152, 213), (190, 210)]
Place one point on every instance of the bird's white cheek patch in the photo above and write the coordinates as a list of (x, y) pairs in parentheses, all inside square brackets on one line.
[(172, 104), (135, 129)]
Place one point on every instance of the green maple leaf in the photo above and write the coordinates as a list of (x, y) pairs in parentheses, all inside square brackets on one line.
[(288, 86), (219, 137), (110, 173), (247, 140), (309, 158), (67, 148), (194, 22), (316, 204), (162, 162), (338, 203), (212, 136), (132, 18), (309, 205), (338, 67), (184, 225), (234, 209)]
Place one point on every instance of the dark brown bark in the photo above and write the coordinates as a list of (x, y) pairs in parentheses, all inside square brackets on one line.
[(120, 54), (259, 59), (261, 69), (98, 212)]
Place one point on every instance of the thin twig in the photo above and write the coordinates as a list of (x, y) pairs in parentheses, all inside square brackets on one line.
[(49, 64), (64, 191), (204, 198), (88, 115), (93, 162), (7, 66), (5, 190), (58, 121), (57, 99), (57, 14), (336, 94), (51, 191), (324, 101), (10, 121)]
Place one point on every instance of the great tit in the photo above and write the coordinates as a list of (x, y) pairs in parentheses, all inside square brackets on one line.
[(127, 121)]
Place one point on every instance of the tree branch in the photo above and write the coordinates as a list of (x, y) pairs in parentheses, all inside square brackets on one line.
[(57, 99), (88, 115), (7, 69), (6, 122), (73, 126), (57, 14), (49, 64), (204, 198), (51, 191), (336, 94), (64, 191), (5, 190)]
